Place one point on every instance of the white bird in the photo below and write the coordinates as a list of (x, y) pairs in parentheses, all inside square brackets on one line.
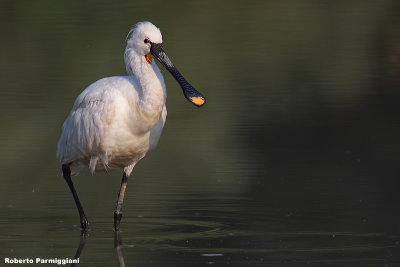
[(115, 121)]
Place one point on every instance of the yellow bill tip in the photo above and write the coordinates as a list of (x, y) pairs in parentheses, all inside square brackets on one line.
[(198, 100)]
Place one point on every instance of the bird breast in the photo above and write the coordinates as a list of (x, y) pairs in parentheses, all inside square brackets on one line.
[(112, 125)]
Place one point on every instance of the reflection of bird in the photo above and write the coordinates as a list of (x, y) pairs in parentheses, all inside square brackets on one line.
[(117, 120)]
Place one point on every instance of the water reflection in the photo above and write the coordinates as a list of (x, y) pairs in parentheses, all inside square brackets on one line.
[(118, 248), (82, 242), (84, 236), (225, 244)]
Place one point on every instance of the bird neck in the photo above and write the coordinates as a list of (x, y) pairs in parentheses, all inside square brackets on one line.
[(152, 91)]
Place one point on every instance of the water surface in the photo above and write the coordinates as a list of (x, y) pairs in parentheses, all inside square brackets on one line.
[(292, 162)]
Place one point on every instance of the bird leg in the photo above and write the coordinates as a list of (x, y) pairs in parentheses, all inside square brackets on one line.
[(120, 200), (67, 176)]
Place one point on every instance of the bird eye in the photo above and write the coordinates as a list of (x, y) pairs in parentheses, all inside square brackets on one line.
[(146, 41)]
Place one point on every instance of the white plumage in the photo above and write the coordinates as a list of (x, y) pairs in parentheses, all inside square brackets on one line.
[(117, 120)]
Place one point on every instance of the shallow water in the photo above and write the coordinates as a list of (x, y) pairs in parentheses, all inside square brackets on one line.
[(292, 162)]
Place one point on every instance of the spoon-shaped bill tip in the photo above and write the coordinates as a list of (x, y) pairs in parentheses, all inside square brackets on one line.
[(191, 94), (198, 100)]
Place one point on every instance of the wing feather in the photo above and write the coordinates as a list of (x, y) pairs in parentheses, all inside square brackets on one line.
[(92, 113)]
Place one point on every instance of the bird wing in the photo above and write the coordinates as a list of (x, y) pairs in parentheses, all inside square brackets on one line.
[(93, 112)]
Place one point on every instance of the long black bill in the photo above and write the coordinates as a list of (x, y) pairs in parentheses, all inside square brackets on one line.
[(190, 93)]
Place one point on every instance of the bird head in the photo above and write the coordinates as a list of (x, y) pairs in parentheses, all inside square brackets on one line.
[(141, 37), (146, 40)]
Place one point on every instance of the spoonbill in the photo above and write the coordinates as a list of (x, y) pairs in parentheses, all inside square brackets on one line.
[(116, 120)]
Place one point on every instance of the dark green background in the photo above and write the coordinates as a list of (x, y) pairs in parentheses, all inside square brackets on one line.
[(294, 160)]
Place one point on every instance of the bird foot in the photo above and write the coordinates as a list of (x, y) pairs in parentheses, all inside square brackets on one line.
[(84, 223)]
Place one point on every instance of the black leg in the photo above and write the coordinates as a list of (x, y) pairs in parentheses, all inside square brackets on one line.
[(67, 176), (120, 200)]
